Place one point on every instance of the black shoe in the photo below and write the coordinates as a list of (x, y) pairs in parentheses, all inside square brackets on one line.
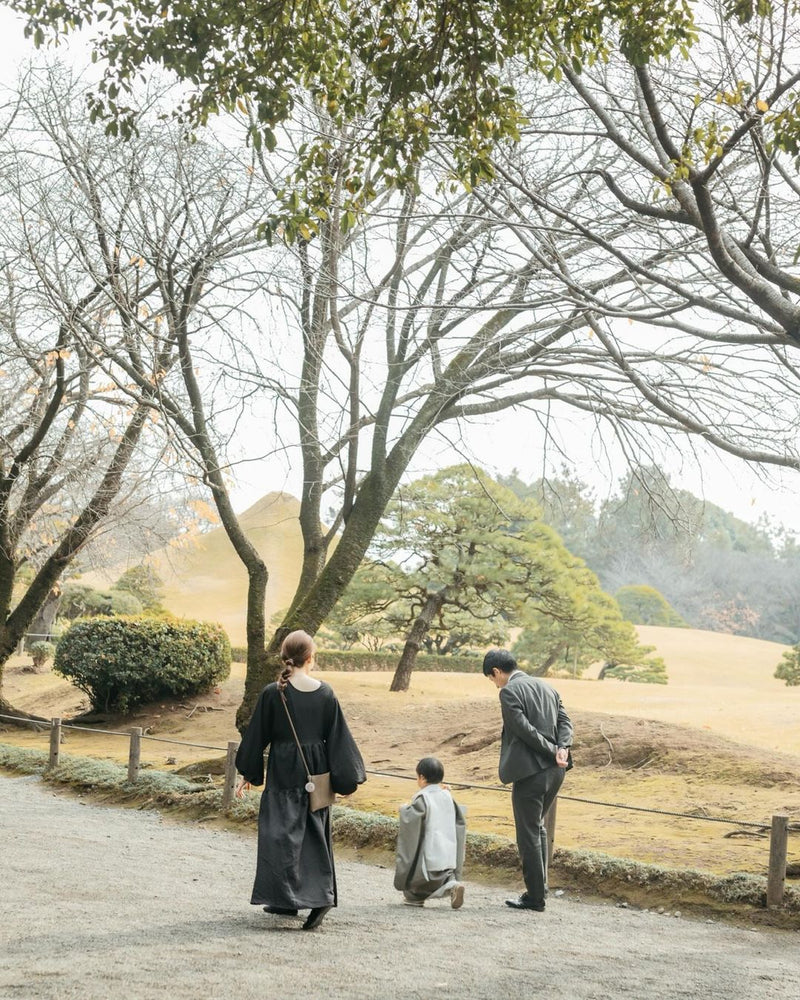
[(281, 911), (523, 903), (315, 917)]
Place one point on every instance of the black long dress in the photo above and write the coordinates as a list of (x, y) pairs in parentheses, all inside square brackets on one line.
[(295, 867)]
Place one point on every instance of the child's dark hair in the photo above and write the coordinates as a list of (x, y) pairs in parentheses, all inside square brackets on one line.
[(297, 647), (431, 769)]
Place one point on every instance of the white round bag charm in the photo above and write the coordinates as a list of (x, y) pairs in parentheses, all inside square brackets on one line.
[(310, 786)]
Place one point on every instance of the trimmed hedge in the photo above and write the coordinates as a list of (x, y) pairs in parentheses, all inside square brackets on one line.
[(352, 660), (121, 662), (358, 660)]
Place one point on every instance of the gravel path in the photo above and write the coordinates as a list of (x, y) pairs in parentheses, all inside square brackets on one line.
[(101, 903)]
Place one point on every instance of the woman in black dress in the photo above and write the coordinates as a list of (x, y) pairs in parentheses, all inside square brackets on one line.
[(294, 870)]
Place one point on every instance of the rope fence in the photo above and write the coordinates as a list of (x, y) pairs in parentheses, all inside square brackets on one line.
[(590, 802), (779, 828)]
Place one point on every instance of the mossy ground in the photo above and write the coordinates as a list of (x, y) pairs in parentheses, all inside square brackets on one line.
[(371, 837)]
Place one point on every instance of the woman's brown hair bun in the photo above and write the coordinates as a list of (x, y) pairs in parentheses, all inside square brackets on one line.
[(296, 649)]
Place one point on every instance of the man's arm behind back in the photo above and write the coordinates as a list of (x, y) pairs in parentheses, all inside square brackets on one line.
[(530, 714)]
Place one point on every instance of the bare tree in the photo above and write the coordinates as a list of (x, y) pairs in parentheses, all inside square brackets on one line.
[(197, 209), (443, 307), (691, 164), (429, 310), (108, 254), (437, 306)]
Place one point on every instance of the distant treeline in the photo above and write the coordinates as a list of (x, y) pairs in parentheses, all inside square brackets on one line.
[(717, 571)]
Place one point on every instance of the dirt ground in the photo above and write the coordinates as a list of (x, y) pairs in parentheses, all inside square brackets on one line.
[(637, 755), (102, 903)]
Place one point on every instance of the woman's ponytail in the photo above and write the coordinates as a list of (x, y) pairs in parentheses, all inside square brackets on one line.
[(285, 674)]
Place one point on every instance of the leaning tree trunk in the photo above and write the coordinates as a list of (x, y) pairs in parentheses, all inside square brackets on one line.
[(420, 628), (18, 621), (608, 665), (257, 578), (544, 668)]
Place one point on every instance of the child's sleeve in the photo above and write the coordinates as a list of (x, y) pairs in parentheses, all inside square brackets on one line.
[(410, 833), (461, 837)]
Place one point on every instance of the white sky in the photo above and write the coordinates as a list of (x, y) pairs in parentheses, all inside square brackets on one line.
[(511, 440)]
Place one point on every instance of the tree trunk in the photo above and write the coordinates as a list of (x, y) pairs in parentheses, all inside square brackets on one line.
[(8, 644), (608, 665), (309, 610), (42, 625), (402, 676), (544, 669), (257, 660), (257, 573), (257, 578)]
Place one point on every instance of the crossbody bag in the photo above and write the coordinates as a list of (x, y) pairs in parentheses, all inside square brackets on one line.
[(318, 786)]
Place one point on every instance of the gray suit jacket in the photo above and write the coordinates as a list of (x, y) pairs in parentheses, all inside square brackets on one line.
[(535, 725)]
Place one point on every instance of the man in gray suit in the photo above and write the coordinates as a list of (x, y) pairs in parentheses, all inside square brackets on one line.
[(534, 755)]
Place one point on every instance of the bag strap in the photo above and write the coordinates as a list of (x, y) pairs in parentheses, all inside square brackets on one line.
[(294, 733)]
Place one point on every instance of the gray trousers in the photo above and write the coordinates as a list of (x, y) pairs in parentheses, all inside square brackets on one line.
[(531, 798), (432, 889)]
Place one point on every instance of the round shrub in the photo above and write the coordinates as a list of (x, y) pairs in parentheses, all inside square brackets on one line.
[(645, 605), (121, 662), (789, 668), (41, 652)]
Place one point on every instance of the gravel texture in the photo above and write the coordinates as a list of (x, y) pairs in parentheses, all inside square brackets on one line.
[(103, 903)]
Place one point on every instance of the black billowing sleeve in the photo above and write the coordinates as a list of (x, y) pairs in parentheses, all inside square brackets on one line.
[(344, 758), (257, 736)]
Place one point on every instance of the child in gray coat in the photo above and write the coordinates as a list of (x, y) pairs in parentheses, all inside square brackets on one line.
[(430, 841)]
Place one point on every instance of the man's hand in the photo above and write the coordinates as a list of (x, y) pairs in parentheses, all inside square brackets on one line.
[(241, 787), (562, 756)]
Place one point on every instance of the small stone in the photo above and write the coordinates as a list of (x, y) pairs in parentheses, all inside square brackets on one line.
[(622, 906), (559, 892), (677, 913), (660, 909)]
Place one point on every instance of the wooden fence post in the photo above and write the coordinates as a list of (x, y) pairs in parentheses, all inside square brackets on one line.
[(550, 826), (230, 775), (55, 741), (135, 753), (778, 838)]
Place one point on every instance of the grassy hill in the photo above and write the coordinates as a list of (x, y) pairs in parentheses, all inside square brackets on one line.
[(204, 578), (717, 682)]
